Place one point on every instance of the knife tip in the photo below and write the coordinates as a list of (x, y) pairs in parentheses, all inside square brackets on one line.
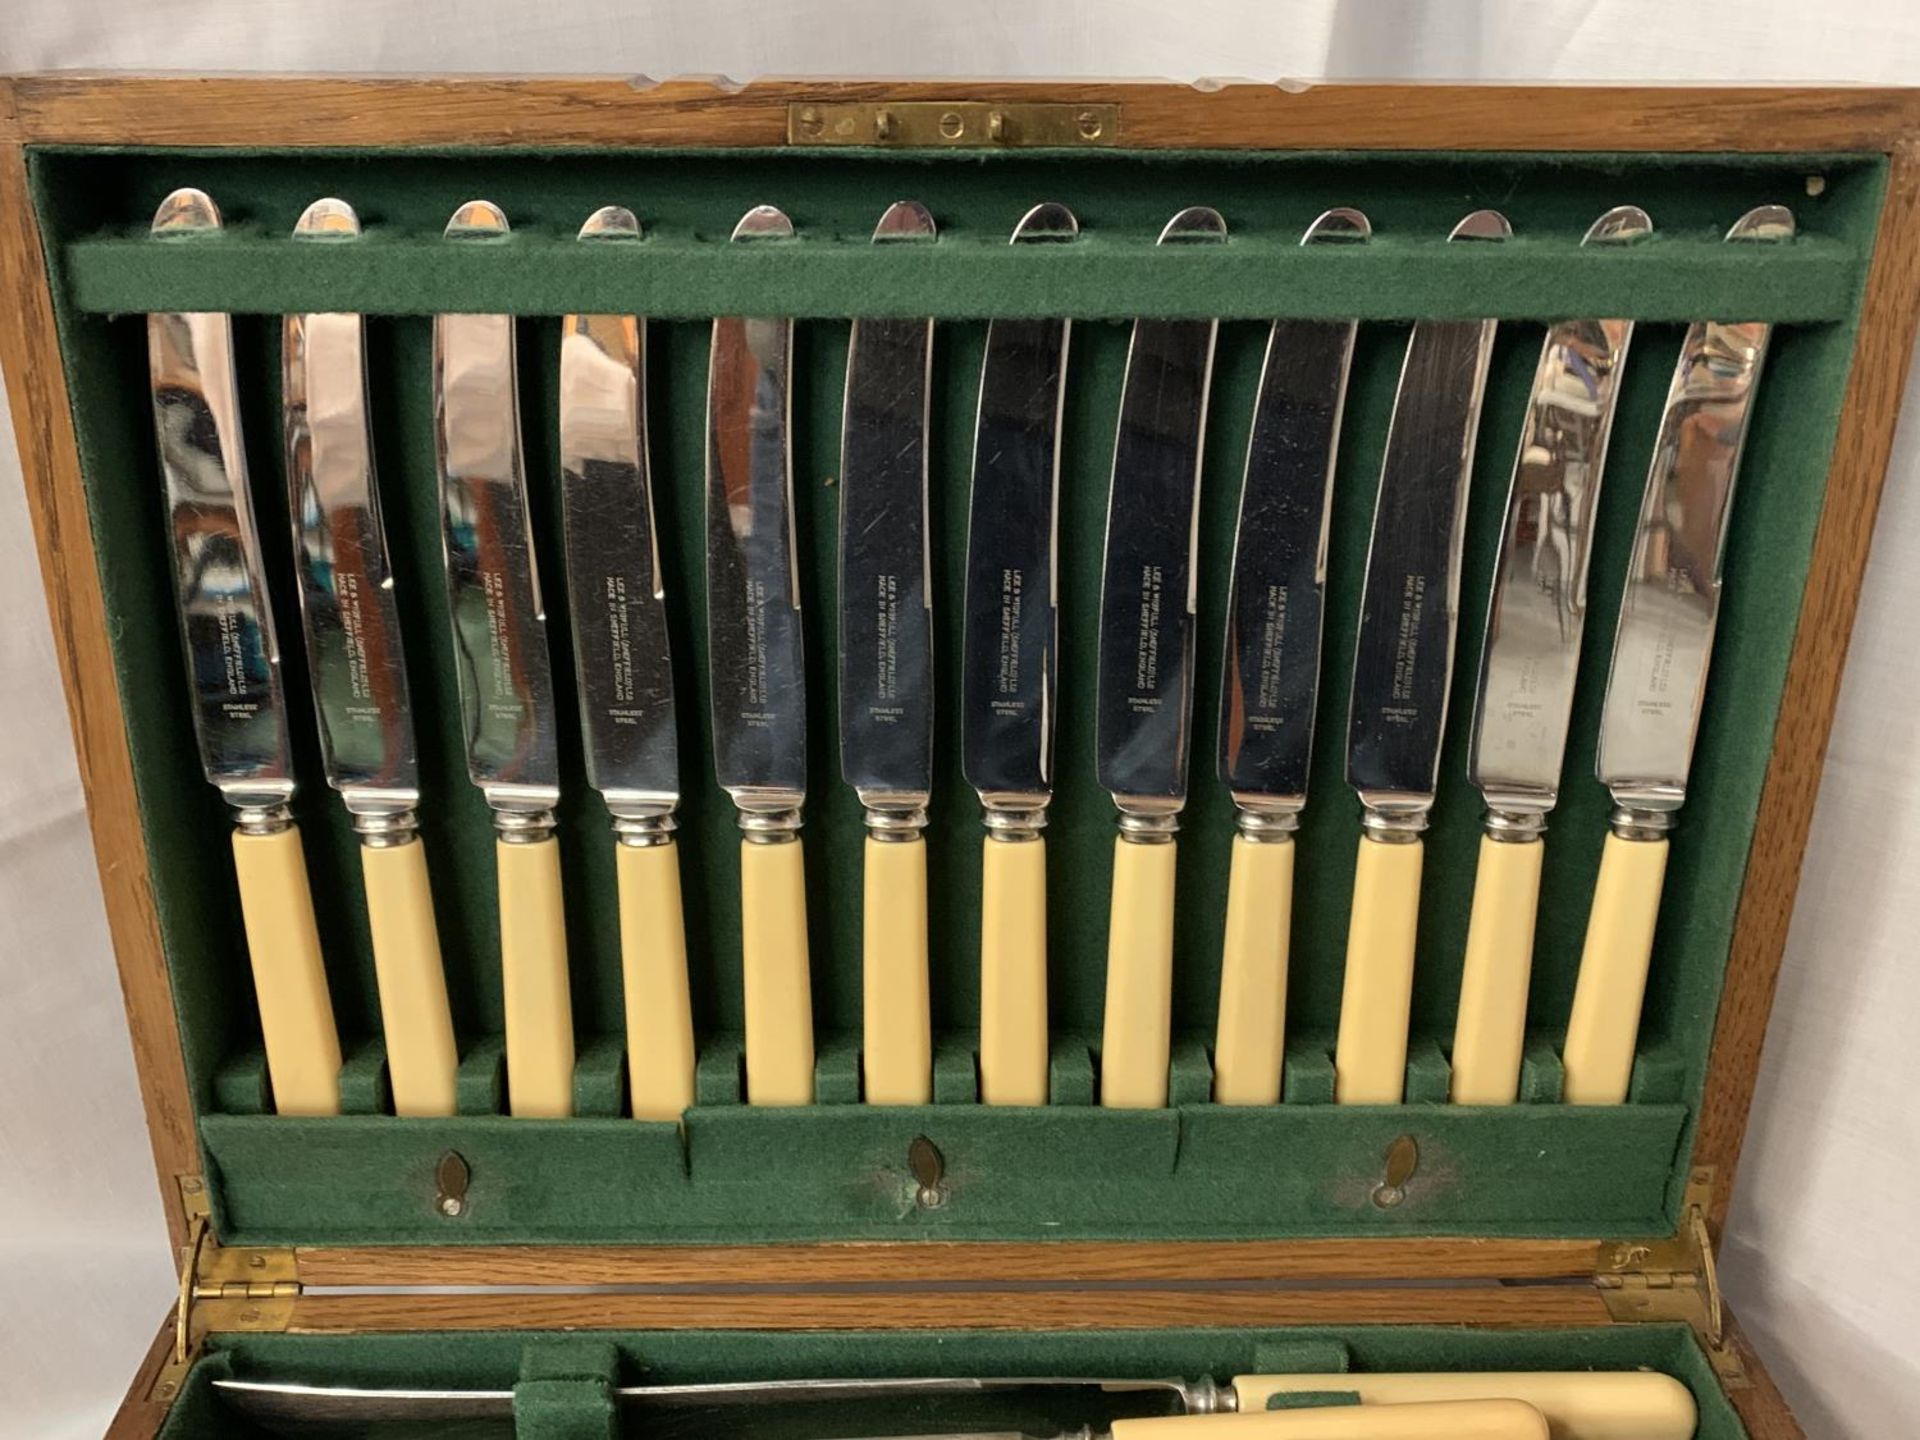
[(185, 212), (1621, 224), (477, 218), (905, 220), (763, 222), (1341, 223), (326, 218), (611, 222), (1764, 222), (1483, 225), (1196, 222), (1049, 220)]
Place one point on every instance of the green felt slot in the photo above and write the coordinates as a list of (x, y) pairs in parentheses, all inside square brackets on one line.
[(573, 1370), (838, 1170)]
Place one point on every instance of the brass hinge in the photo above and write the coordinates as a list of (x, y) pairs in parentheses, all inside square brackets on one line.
[(953, 125), (222, 1289), (1674, 1281)]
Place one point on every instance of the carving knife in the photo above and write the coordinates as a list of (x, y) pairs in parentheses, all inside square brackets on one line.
[(623, 673), (886, 673), (357, 665), (1581, 1405), (758, 676), (1658, 678), (1527, 667), (1008, 673), (1272, 672), (1144, 691), (1402, 671), (233, 666), (506, 680)]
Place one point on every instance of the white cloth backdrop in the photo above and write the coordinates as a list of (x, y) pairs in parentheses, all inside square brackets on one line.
[(1823, 1253)]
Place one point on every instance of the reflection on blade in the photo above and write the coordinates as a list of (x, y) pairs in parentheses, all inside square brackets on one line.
[(233, 655), (354, 654)]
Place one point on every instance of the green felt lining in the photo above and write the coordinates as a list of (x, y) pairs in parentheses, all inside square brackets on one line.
[(1303, 1168), (508, 1360)]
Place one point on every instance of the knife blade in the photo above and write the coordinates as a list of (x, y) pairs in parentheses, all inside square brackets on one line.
[(1656, 684), (1271, 678), (624, 675), (357, 666), (1144, 690), (886, 673), (758, 671), (505, 676), (233, 670), (1008, 672), (1402, 671), (1528, 661)]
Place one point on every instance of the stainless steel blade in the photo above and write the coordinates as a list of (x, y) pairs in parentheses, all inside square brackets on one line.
[(1539, 603), (1010, 651), (1272, 673), (493, 580), (886, 619), (354, 655), (1144, 691), (226, 619), (1667, 615), (615, 593), (753, 583), (1403, 658)]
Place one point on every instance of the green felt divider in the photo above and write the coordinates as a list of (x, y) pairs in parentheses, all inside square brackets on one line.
[(364, 1086), (1612, 1171), (565, 1390), (1257, 274), (841, 1171), (498, 1360)]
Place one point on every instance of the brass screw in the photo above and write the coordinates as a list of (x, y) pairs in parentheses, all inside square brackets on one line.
[(258, 1262), (450, 1207), (1090, 125), (1816, 185), (996, 125), (810, 122), (166, 1388), (952, 125), (883, 125)]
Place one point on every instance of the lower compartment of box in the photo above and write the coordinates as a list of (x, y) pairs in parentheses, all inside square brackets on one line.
[(562, 1381)]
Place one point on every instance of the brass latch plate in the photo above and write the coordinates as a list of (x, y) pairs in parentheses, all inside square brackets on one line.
[(1674, 1281), (953, 125)]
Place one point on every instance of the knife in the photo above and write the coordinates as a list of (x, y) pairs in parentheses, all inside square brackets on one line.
[(1658, 677), (1144, 691), (758, 676), (1580, 1405), (886, 673), (1272, 673), (233, 667), (617, 599), (1527, 666), (1008, 673), (506, 682), (357, 665), (1402, 670)]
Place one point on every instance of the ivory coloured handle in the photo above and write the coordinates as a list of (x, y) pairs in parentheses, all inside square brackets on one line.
[(1136, 1038), (1491, 1031), (1247, 1048), (653, 969), (1370, 1062), (1013, 972), (773, 952), (897, 1050), (1441, 1420), (289, 978), (414, 1016), (1605, 1027), (533, 980), (1578, 1405)]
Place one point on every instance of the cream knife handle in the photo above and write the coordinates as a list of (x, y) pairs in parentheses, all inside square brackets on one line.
[(1605, 1027), (773, 950), (289, 978), (1578, 1405), (1136, 1038), (1370, 1061), (653, 969), (1491, 1031), (533, 979), (414, 1016), (1013, 971), (1247, 1050), (897, 1050), (1439, 1420)]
